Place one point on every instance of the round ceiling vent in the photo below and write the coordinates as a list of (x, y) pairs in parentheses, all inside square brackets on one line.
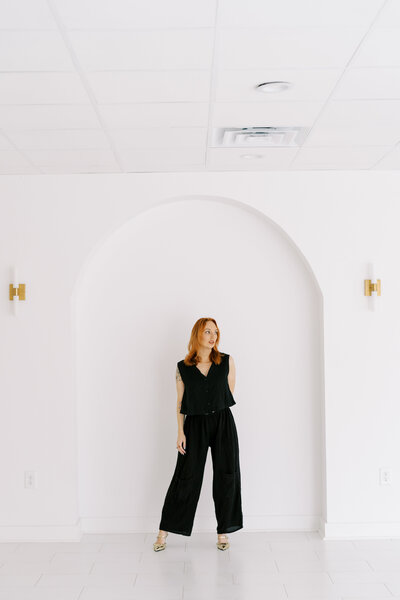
[(272, 87)]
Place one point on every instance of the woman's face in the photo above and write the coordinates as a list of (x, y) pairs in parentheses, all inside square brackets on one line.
[(209, 336)]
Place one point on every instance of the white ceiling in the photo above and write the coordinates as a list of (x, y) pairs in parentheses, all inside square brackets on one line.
[(111, 86)]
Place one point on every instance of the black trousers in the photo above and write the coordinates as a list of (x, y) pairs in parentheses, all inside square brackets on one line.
[(217, 430)]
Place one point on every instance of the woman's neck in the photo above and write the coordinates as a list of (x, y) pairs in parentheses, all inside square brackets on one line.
[(204, 357)]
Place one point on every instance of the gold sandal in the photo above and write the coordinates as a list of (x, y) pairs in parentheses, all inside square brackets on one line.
[(222, 545), (157, 546)]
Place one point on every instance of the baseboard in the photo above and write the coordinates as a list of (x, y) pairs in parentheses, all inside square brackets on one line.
[(41, 533), (360, 531), (254, 523)]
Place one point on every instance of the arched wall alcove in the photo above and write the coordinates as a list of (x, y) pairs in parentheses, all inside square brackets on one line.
[(136, 298)]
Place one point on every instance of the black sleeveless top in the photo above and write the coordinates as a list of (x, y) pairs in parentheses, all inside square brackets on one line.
[(204, 394)]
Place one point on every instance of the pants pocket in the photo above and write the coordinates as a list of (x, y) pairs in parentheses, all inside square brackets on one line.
[(229, 480), (230, 486)]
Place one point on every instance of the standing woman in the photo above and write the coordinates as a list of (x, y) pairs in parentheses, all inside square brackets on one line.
[(205, 381)]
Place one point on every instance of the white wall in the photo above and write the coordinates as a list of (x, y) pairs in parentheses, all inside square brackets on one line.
[(52, 225), (137, 302)]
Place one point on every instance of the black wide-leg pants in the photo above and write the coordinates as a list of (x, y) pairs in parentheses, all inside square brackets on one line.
[(217, 430)]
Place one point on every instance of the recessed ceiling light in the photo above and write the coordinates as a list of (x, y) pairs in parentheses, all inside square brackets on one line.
[(271, 87), (251, 156)]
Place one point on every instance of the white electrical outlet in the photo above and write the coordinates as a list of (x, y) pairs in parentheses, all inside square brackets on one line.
[(30, 479), (385, 476)]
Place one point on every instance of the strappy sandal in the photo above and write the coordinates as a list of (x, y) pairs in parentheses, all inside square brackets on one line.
[(157, 546), (222, 545)]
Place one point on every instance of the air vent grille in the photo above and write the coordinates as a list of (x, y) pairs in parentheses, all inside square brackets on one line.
[(259, 137)]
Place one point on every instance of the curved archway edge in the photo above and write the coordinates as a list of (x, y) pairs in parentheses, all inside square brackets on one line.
[(216, 198)]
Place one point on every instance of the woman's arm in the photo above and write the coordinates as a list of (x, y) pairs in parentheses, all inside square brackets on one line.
[(231, 374), (180, 386)]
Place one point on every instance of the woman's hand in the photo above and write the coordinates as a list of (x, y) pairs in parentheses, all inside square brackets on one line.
[(181, 443)]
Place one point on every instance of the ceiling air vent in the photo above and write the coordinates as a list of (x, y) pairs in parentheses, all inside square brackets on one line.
[(257, 137)]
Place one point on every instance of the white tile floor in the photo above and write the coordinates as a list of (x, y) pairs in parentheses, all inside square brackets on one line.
[(275, 565)]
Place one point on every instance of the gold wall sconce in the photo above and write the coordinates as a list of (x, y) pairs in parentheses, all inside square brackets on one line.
[(370, 287), (16, 291)]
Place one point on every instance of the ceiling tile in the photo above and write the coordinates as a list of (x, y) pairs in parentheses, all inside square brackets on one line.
[(81, 168), (33, 51), (391, 161), (360, 157), (369, 83), (381, 48), (41, 88), (154, 137), (390, 15), (292, 13), (48, 116), (135, 14), (59, 139), (229, 159), (150, 86), (169, 49), (270, 114), (155, 114), (5, 144), (156, 159), (149, 65), (307, 84), (357, 122), (261, 48), (73, 161), (26, 14), (12, 162)]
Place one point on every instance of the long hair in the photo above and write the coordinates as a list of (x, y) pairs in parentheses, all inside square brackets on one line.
[(191, 358)]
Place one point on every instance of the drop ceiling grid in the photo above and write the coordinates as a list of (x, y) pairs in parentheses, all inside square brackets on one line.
[(346, 128), (138, 86)]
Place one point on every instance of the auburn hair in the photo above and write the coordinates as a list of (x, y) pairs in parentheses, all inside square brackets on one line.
[(192, 358)]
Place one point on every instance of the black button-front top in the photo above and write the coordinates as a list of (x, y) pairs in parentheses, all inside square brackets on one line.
[(204, 394)]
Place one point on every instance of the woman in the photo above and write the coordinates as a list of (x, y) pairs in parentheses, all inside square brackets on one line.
[(205, 382)]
